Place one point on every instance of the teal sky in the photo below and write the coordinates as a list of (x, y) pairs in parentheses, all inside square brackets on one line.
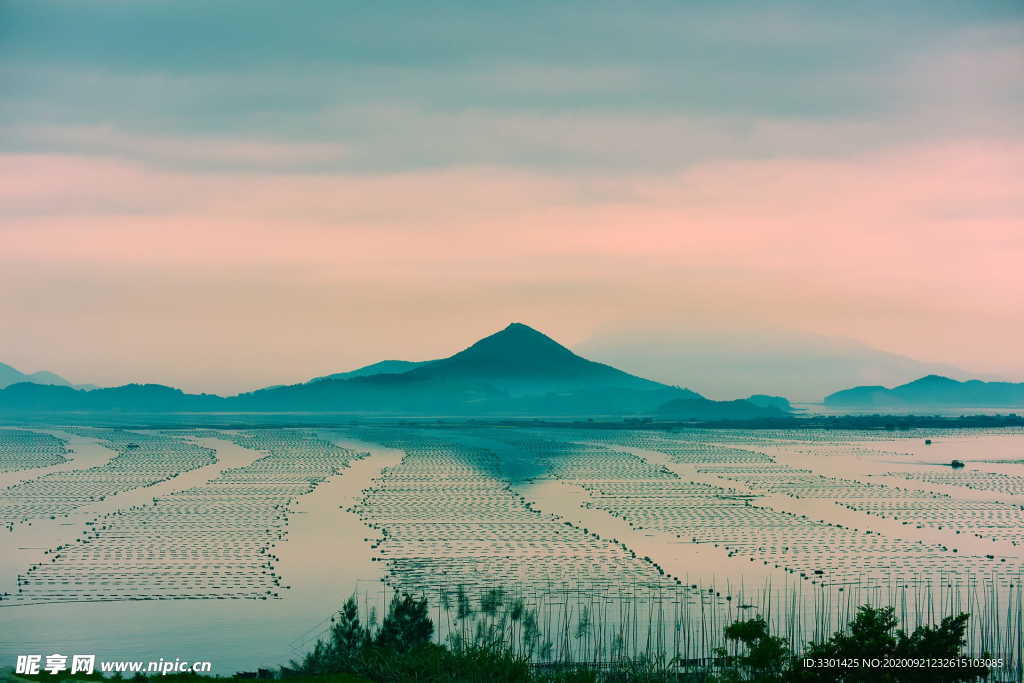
[(264, 191)]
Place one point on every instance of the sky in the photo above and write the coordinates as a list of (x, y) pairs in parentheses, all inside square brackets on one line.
[(222, 196)]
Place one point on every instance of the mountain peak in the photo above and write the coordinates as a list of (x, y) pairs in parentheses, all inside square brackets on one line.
[(522, 359), (522, 331), (517, 342), (933, 380), (521, 327)]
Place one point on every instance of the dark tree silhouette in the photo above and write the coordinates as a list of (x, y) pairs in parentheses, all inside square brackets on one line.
[(406, 624)]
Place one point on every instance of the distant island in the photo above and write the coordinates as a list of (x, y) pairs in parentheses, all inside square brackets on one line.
[(752, 408), (516, 371), (931, 391)]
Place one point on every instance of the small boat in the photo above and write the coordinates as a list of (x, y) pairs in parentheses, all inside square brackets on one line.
[(956, 464)]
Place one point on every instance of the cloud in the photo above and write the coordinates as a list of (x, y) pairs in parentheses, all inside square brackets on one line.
[(952, 196), (178, 151), (653, 88)]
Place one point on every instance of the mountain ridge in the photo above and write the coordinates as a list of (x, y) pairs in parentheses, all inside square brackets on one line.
[(706, 409), (517, 370), (10, 375), (931, 390), (381, 367)]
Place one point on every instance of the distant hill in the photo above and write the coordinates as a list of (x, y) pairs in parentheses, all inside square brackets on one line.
[(10, 375), (706, 409), (932, 390), (515, 371), (771, 402), (26, 396), (737, 362), (384, 367)]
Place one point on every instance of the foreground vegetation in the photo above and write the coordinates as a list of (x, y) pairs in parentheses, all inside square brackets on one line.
[(401, 649), (482, 649)]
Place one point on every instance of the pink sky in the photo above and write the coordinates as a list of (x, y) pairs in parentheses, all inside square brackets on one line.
[(229, 280)]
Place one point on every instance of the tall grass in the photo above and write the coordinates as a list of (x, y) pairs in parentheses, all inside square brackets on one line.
[(610, 627)]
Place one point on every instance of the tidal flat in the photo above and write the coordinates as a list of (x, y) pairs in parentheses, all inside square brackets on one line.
[(236, 545)]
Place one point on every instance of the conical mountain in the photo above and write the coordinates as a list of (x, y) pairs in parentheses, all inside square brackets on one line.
[(516, 349), (516, 370), (521, 360)]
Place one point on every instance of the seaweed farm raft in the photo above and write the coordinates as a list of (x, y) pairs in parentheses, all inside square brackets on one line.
[(610, 541)]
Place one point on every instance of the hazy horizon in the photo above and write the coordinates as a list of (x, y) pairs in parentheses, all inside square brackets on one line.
[(718, 364), (226, 197)]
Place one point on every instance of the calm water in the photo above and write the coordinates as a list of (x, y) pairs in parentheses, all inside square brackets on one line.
[(857, 514)]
